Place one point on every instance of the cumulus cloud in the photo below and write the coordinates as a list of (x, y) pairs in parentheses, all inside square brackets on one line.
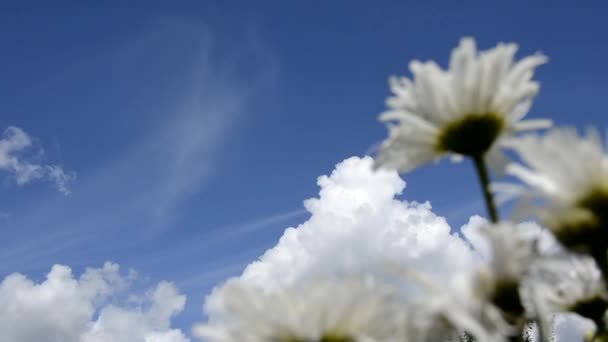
[(63, 308), (357, 224), (13, 143)]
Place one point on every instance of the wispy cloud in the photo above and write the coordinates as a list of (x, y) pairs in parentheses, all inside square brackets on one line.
[(135, 196), (200, 245), (13, 146), (258, 224)]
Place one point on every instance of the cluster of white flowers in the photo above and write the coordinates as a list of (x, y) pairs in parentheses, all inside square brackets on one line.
[(343, 309), (472, 110)]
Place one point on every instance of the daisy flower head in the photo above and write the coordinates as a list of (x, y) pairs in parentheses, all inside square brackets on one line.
[(444, 314), (511, 253), (566, 284), (351, 309), (445, 317), (464, 110), (568, 175)]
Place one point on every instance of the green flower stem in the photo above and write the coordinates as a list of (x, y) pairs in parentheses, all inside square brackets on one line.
[(484, 179)]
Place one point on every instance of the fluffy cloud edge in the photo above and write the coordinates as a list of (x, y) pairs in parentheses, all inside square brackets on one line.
[(13, 144), (355, 225), (66, 308)]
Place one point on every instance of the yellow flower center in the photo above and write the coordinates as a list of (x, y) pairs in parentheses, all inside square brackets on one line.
[(471, 135), (585, 227), (597, 203), (506, 297)]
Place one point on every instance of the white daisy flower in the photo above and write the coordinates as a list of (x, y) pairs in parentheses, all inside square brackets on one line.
[(464, 110), (511, 253), (562, 285), (443, 316), (486, 302), (569, 174), (446, 311), (338, 310)]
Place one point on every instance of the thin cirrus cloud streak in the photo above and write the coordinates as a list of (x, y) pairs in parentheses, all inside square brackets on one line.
[(128, 203), (138, 189), (259, 224), (203, 273), (136, 196), (14, 144)]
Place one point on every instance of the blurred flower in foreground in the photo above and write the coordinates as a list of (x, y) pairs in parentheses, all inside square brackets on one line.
[(464, 110), (485, 302), (448, 314), (569, 174), (561, 285), (454, 313), (336, 310), (511, 253)]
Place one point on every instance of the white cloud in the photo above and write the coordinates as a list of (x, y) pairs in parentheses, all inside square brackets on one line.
[(356, 224), (63, 308), (12, 145)]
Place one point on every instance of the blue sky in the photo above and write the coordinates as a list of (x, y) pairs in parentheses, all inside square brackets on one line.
[(196, 129)]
